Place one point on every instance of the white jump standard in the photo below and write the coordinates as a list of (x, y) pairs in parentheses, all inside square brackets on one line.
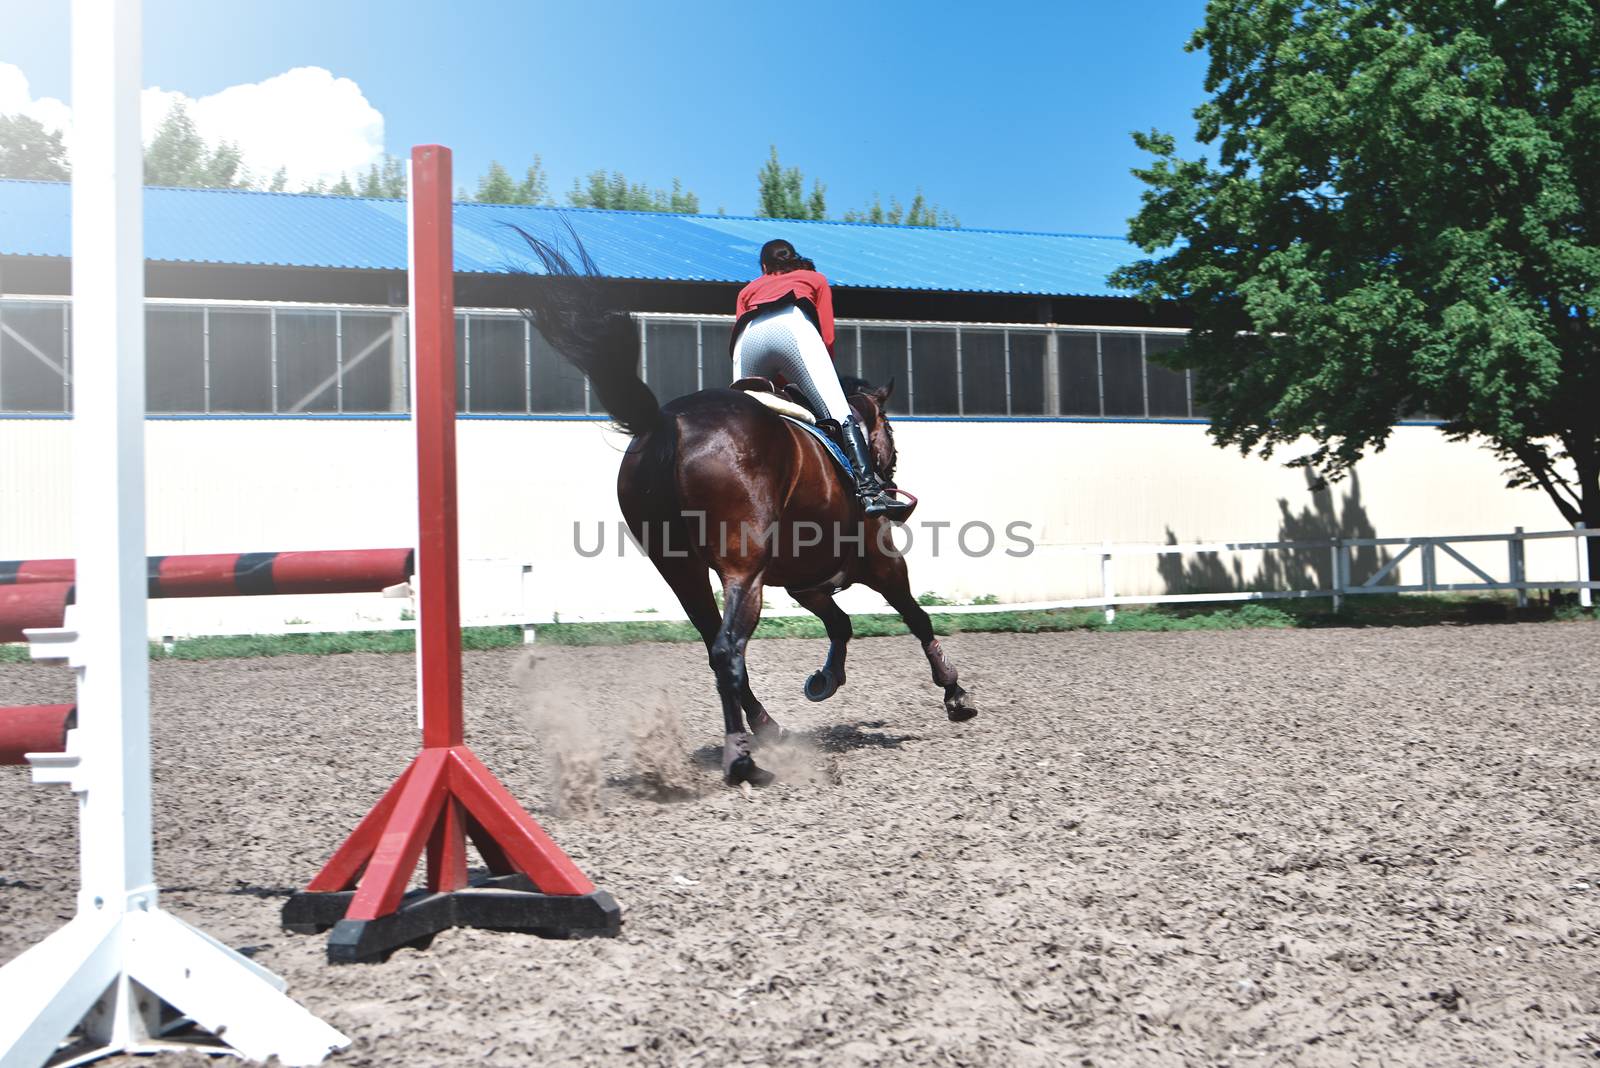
[(123, 971)]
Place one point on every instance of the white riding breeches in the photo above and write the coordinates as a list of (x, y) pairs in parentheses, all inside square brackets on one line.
[(785, 342)]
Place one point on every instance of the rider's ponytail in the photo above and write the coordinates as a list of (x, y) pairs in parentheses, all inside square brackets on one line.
[(779, 257)]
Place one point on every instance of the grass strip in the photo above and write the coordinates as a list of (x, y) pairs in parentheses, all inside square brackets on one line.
[(1416, 610)]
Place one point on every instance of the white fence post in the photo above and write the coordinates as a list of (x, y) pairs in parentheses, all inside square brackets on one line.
[(1105, 581), (1338, 573), (1585, 594), (1430, 565), (530, 633), (1519, 566)]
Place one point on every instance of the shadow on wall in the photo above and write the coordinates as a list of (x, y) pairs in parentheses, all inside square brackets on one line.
[(1323, 519)]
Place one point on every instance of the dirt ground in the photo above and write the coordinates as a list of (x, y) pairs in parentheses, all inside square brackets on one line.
[(1243, 848)]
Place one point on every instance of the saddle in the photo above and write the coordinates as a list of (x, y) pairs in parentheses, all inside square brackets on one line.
[(793, 406), (790, 402)]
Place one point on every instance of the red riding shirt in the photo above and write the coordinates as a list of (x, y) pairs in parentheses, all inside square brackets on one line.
[(805, 285)]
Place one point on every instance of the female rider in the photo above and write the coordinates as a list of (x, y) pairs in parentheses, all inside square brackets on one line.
[(786, 326)]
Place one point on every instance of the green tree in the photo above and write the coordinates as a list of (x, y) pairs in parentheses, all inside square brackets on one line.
[(386, 180), (178, 155), (28, 150), (616, 193), (498, 187), (781, 192), (921, 213), (1404, 216), (535, 186)]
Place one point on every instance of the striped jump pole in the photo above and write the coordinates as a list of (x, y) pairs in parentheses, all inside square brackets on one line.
[(37, 593), (446, 796), (237, 574)]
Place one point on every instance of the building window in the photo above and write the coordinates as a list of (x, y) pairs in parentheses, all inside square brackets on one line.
[(374, 358), (497, 377), (671, 358), (883, 358), (175, 359), (1122, 375), (983, 372), (847, 351), (1168, 389), (1028, 381), (716, 356), (241, 356), (263, 359), (307, 361), (34, 370), (557, 387)]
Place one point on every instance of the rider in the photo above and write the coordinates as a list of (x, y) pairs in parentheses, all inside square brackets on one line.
[(786, 326)]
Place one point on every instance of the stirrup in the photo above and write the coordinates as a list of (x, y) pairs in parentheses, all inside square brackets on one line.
[(883, 502)]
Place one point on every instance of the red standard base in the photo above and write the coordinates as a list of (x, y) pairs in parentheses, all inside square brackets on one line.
[(445, 797)]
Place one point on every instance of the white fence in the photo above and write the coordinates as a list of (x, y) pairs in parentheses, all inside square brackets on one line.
[(507, 592), (1340, 552), (1340, 555)]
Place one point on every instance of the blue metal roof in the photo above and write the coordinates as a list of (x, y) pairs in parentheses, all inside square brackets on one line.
[(299, 230)]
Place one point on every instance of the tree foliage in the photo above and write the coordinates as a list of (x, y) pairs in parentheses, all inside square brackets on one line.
[(498, 187), (178, 155), (920, 213), (385, 180), (616, 193), (781, 192), (781, 195), (28, 150), (1404, 216)]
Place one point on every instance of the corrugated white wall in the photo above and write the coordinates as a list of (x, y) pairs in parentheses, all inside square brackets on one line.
[(254, 485)]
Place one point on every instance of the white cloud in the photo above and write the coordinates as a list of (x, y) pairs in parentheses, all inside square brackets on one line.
[(306, 120), (16, 98)]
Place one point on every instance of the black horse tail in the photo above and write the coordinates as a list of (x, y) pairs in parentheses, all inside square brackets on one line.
[(565, 304)]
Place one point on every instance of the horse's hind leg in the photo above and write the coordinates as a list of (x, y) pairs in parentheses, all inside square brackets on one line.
[(741, 600), (767, 730), (689, 579), (824, 682), (890, 579)]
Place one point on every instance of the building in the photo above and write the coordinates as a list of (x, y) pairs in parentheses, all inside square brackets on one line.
[(1027, 392), (271, 303)]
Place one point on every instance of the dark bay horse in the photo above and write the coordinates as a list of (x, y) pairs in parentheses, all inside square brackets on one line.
[(715, 480)]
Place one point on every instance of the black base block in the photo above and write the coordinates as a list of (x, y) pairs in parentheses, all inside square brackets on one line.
[(500, 903)]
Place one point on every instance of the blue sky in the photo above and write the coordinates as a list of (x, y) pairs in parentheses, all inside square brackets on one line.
[(1010, 115)]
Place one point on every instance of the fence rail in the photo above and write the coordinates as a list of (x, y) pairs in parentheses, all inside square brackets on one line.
[(1341, 585), (491, 594)]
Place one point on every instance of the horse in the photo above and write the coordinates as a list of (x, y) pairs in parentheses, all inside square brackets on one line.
[(715, 481)]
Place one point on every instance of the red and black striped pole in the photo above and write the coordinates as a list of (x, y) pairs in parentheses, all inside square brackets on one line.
[(244, 574)]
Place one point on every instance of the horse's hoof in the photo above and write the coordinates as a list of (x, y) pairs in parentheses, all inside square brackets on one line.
[(959, 708), (744, 770), (821, 685)]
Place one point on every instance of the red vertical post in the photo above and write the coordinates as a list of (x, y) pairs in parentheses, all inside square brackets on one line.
[(446, 794), (434, 405)]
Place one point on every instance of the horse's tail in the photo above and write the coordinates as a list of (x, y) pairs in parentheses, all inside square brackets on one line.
[(566, 306)]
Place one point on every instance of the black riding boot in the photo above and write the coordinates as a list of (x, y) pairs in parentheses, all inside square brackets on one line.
[(868, 486)]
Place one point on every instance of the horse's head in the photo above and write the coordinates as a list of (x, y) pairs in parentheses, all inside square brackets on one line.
[(872, 408)]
